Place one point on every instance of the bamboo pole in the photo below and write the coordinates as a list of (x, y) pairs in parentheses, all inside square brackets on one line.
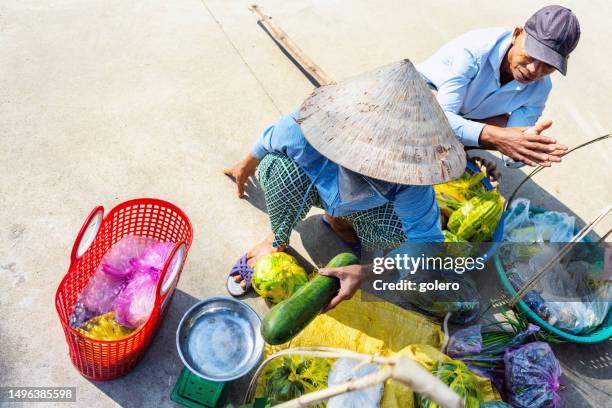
[(554, 260), (400, 368), (291, 48), (361, 383)]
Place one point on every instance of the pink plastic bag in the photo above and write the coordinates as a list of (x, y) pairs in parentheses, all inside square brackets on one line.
[(135, 303), (133, 257)]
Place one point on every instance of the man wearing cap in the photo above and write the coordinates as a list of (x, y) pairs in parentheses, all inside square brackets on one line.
[(493, 84)]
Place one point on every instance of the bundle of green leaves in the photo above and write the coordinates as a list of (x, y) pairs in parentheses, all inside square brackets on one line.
[(460, 379), (289, 377)]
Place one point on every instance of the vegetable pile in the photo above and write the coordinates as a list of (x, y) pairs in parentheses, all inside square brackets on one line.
[(509, 354), (460, 379), (289, 377), (469, 213), (277, 276)]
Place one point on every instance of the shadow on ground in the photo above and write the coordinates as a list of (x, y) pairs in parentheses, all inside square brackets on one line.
[(153, 379)]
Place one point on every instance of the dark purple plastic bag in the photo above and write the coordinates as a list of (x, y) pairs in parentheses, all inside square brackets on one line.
[(465, 342), (532, 376)]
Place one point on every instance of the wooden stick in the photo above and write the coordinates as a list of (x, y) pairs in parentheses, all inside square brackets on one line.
[(421, 381), (401, 368), (360, 383), (321, 352), (283, 40)]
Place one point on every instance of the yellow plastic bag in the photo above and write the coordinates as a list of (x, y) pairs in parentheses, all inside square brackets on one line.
[(367, 324), (104, 327)]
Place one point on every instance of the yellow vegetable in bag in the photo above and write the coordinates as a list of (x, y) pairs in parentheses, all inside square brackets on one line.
[(277, 276), (453, 194), (104, 327)]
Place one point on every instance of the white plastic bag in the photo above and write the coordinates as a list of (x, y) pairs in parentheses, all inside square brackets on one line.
[(344, 370)]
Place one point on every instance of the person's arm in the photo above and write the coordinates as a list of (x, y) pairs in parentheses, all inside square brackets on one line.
[(462, 67), (283, 137), (522, 140), (417, 210)]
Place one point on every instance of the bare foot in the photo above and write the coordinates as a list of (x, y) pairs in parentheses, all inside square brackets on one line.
[(263, 248), (343, 228)]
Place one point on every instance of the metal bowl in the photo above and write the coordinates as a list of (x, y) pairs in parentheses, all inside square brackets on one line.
[(218, 339)]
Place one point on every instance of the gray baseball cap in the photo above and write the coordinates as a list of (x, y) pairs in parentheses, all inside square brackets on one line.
[(552, 34)]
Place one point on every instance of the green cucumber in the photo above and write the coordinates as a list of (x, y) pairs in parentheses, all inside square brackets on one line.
[(288, 318)]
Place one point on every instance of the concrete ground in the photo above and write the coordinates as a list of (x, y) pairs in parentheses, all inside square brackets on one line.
[(101, 102)]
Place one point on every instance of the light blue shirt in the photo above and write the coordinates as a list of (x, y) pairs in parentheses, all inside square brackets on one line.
[(415, 206), (466, 73)]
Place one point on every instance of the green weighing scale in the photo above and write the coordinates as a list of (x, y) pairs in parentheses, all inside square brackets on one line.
[(218, 341)]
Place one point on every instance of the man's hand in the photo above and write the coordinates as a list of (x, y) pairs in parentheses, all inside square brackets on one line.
[(351, 277), (241, 172), (524, 144)]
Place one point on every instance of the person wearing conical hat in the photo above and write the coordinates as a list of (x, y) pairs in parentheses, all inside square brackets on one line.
[(367, 150), (493, 84)]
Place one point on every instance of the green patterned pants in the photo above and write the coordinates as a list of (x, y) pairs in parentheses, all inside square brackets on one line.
[(285, 184)]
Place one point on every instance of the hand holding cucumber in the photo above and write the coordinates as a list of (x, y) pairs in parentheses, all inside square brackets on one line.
[(351, 277), (338, 281)]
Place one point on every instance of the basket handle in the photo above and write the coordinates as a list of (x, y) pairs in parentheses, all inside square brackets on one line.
[(540, 168), (87, 234), (174, 262)]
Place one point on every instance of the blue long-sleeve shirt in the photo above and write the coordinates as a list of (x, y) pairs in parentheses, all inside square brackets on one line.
[(466, 73), (415, 206)]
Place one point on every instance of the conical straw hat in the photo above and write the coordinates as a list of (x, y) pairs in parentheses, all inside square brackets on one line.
[(385, 124)]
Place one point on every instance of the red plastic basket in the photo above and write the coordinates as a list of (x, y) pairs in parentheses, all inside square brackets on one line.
[(106, 360)]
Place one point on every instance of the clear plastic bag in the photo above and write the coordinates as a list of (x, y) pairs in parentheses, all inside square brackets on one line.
[(104, 327), (110, 278), (571, 297), (517, 217), (532, 376), (345, 370), (135, 303), (119, 260), (521, 225)]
